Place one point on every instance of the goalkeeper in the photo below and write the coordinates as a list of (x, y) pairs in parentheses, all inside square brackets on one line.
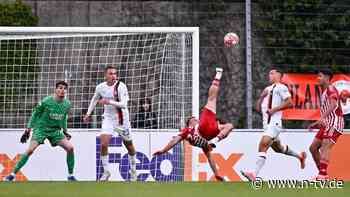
[(206, 132), (49, 121)]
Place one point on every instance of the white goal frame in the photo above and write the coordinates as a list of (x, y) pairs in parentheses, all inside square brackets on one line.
[(5, 30)]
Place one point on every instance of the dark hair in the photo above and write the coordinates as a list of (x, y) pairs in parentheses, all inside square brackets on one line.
[(110, 67), (188, 120), (278, 70), (327, 72), (61, 83), (144, 101)]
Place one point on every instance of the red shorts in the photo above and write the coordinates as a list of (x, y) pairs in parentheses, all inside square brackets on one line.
[(330, 134), (208, 126)]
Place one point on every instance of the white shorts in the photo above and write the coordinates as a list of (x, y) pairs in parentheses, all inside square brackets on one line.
[(273, 131), (110, 127)]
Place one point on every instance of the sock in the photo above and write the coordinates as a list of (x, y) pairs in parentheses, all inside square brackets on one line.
[(132, 162), (105, 163), (70, 163), (260, 162), (216, 82), (218, 76), (323, 167), (318, 166), (290, 152), (21, 163)]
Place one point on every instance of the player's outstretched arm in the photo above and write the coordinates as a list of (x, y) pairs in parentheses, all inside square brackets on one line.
[(212, 164), (169, 146)]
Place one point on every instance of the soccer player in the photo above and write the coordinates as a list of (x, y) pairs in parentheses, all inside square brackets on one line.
[(49, 121), (273, 100), (330, 124), (113, 94), (206, 132)]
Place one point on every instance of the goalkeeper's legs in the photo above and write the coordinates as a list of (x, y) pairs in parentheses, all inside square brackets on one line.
[(23, 160), (214, 91), (68, 147), (132, 154), (105, 139)]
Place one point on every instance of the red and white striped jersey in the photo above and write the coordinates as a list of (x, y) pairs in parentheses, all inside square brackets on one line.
[(335, 119)]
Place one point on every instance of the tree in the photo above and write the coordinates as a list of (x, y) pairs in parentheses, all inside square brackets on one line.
[(17, 58), (305, 34)]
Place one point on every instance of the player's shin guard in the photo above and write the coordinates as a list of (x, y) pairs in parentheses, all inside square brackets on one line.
[(260, 162), (70, 163), (21, 163)]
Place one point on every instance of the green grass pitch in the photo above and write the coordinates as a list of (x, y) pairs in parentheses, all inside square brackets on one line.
[(152, 189)]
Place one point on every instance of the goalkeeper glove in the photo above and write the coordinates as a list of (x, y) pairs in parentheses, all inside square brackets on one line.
[(68, 136), (25, 136)]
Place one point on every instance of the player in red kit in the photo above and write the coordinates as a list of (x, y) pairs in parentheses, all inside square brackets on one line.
[(207, 131), (330, 124)]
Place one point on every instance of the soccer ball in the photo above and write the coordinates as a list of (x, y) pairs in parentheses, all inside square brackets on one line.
[(231, 39)]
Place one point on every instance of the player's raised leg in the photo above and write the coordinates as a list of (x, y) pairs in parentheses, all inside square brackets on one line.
[(68, 147), (214, 91), (105, 138), (285, 149), (23, 160)]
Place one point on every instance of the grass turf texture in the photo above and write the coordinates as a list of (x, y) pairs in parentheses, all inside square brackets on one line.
[(151, 189)]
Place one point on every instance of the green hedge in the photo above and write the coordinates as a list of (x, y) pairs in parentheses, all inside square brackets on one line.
[(305, 34)]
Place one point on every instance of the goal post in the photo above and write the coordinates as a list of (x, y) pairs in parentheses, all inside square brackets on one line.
[(156, 63)]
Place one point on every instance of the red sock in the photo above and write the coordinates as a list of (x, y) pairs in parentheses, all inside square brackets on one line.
[(323, 168), (216, 82), (318, 166)]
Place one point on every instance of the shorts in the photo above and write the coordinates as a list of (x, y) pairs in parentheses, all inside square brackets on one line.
[(110, 127), (208, 125), (54, 137), (273, 131), (330, 134)]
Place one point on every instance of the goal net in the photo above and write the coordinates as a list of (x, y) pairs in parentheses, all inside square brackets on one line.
[(158, 65)]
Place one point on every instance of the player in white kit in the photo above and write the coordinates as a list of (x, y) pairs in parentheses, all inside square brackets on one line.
[(113, 94), (273, 100)]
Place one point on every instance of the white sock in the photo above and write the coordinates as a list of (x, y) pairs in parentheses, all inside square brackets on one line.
[(218, 75), (260, 162), (289, 151), (132, 162), (105, 163), (69, 175)]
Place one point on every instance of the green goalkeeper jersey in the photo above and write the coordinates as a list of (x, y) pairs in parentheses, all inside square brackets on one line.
[(50, 115)]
